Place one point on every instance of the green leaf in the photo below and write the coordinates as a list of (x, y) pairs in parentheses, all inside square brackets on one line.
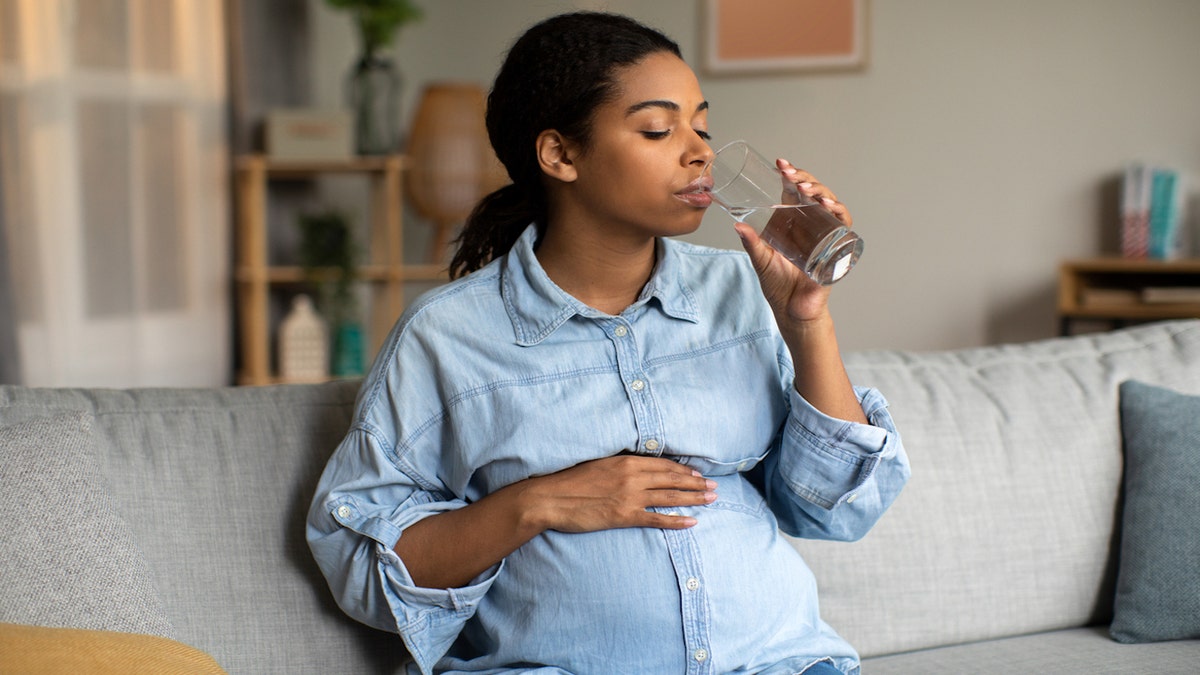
[(378, 20)]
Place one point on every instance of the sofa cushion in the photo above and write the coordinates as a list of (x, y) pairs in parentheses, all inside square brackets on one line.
[(1076, 651), (68, 560), (216, 485), (1158, 585), (1008, 524)]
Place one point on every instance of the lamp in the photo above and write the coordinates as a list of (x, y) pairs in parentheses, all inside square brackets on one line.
[(450, 161)]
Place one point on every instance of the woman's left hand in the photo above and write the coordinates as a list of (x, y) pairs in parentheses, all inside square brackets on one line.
[(791, 293)]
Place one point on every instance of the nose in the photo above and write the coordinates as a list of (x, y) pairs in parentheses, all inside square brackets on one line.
[(700, 153)]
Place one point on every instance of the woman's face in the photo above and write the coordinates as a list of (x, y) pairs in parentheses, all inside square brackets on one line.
[(641, 173)]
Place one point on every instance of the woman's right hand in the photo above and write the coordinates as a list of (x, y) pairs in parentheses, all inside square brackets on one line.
[(449, 549), (614, 492)]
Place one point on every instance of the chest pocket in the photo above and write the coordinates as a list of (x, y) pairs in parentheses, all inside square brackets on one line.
[(713, 466)]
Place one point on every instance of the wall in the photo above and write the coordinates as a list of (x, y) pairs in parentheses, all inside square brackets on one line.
[(980, 146)]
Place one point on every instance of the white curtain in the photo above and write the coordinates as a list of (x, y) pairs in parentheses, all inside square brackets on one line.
[(10, 368), (115, 170)]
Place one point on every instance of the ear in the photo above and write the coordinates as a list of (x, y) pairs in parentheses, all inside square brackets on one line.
[(554, 156)]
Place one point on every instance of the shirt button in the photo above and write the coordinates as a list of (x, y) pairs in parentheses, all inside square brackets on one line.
[(620, 331), (700, 655), (692, 583), (343, 511), (851, 498), (637, 385), (650, 445)]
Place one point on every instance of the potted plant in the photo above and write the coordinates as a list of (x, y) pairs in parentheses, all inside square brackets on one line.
[(378, 20), (329, 256), (373, 86)]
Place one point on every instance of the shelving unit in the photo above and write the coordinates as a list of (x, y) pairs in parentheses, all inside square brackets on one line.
[(385, 271), (1120, 290)]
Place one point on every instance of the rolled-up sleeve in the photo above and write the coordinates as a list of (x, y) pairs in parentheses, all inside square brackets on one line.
[(833, 479), (362, 505)]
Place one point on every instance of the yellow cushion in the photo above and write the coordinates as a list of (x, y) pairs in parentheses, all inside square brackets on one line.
[(35, 649)]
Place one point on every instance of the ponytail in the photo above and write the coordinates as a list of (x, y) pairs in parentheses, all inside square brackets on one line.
[(494, 225)]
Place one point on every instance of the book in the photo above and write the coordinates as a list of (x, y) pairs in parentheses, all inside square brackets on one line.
[(1135, 211), (1166, 235), (1109, 297), (1171, 294)]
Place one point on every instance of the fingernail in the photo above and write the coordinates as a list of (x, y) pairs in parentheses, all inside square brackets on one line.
[(789, 170), (696, 473), (710, 484), (687, 522), (805, 186), (827, 201), (710, 497)]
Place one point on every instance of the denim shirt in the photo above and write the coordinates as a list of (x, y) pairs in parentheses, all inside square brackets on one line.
[(501, 375)]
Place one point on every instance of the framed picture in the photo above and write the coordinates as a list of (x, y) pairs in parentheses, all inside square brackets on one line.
[(763, 36)]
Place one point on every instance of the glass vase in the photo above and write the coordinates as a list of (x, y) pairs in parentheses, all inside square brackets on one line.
[(373, 92)]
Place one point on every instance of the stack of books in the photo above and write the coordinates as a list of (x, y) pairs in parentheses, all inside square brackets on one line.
[(1152, 199), (1169, 295), (1124, 298)]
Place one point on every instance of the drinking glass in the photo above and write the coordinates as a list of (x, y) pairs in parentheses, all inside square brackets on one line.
[(754, 191)]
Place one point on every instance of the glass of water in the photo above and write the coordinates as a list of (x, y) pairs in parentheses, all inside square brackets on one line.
[(754, 191)]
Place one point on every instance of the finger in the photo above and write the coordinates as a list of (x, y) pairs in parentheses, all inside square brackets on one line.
[(666, 521), (759, 251), (669, 487), (805, 181), (657, 465), (639, 473), (839, 210), (816, 190), (792, 178), (794, 172), (692, 480), (820, 193), (669, 498)]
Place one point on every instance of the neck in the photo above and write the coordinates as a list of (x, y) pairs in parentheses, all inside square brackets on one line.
[(602, 271)]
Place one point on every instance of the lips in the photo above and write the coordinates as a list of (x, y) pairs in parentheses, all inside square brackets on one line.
[(697, 193)]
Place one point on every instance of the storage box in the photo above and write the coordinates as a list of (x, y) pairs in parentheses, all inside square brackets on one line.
[(309, 135)]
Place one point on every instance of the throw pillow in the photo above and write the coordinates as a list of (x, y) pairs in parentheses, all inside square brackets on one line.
[(1158, 579), (36, 649), (68, 559)]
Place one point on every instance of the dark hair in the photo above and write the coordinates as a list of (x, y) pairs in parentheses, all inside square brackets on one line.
[(554, 77)]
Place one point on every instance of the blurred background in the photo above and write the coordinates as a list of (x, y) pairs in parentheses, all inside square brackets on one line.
[(978, 145)]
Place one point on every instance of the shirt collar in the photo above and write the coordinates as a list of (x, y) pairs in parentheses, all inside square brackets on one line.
[(537, 306)]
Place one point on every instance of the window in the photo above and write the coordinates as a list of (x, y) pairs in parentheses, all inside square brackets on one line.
[(115, 170)]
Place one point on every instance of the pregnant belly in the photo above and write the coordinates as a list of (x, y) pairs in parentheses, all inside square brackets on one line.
[(625, 597)]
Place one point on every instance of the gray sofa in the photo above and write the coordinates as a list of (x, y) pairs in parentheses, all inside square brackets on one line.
[(1001, 555)]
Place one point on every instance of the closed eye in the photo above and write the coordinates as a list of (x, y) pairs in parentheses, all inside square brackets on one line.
[(656, 135)]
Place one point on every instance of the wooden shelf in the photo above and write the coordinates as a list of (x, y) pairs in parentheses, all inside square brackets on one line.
[(385, 272), (1120, 290), (292, 274), (313, 168)]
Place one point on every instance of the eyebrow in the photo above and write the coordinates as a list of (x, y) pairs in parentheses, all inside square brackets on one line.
[(668, 105)]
